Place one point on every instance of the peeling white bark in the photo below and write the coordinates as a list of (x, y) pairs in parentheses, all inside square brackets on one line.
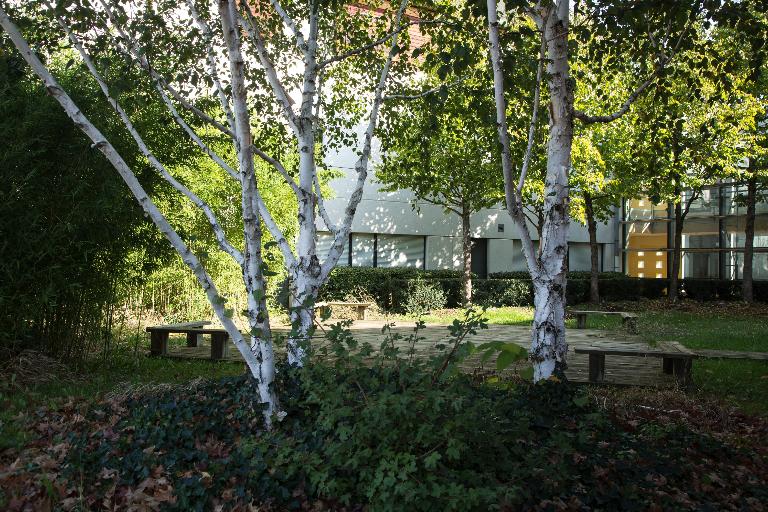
[(102, 144), (548, 268)]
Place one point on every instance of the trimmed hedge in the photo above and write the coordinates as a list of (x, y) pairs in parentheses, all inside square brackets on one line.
[(389, 287)]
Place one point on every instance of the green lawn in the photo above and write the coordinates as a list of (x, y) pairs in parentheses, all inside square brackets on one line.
[(711, 326)]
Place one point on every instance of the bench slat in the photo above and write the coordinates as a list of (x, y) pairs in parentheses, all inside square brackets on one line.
[(731, 354), (634, 352), (184, 330)]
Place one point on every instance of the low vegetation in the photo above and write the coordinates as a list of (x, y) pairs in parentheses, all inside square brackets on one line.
[(399, 434)]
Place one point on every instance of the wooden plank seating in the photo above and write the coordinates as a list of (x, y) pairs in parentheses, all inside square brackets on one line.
[(675, 358), (628, 320), (731, 354), (194, 331), (360, 307)]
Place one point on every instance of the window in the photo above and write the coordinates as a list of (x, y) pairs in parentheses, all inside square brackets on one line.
[(362, 249), (400, 251), (324, 241)]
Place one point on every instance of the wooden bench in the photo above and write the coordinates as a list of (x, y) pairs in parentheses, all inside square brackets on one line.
[(628, 320), (675, 358), (194, 331), (360, 307), (731, 354)]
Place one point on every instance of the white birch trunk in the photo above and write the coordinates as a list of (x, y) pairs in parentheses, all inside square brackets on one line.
[(128, 176), (548, 268), (549, 346), (252, 267)]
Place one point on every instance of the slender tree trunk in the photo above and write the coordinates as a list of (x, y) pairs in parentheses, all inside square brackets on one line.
[(466, 250), (260, 336), (548, 346), (548, 269), (749, 241), (674, 281), (306, 279), (594, 270)]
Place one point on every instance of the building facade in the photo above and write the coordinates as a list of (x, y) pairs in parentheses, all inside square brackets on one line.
[(388, 232), (713, 236)]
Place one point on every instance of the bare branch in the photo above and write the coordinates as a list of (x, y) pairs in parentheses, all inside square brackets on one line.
[(362, 163), (534, 115), (252, 30), (221, 237)]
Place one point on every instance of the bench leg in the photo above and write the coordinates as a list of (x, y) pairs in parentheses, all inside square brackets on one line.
[(158, 343), (194, 339), (581, 321), (219, 345), (682, 370), (596, 367)]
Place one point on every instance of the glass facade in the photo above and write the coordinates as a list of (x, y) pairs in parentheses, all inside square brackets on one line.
[(374, 250), (712, 241)]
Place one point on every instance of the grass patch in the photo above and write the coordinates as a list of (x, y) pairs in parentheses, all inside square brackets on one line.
[(716, 326)]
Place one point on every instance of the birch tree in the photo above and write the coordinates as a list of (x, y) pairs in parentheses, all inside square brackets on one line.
[(309, 71), (645, 32)]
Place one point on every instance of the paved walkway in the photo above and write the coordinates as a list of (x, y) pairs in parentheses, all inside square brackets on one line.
[(619, 370)]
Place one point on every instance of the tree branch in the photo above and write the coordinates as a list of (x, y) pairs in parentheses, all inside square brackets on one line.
[(251, 196), (288, 21), (383, 39), (278, 166), (321, 207), (252, 30), (664, 61), (362, 163), (208, 35), (513, 199), (534, 115), (136, 52), (99, 141), (218, 231), (423, 93)]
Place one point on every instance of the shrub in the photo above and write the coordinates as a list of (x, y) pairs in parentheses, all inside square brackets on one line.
[(398, 434), (424, 297), (383, 284), (502, 292)]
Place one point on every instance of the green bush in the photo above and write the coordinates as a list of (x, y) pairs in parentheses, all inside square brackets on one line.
[(389, 287), (385, 285), (424, 297), (502, 292)]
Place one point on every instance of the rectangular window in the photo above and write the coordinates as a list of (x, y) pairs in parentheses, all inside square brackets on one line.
[(362, 250), (400, 251), (324, 241)]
